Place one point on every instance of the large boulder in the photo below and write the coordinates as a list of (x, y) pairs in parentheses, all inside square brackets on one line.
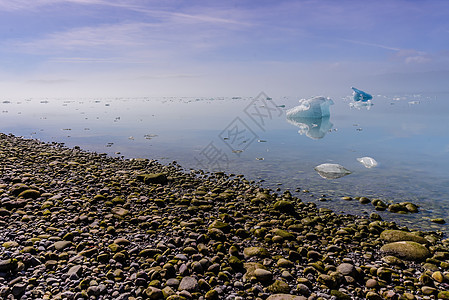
[(399, 235), (407, 250)]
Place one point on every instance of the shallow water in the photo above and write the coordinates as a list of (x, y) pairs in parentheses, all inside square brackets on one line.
[(408, 135)]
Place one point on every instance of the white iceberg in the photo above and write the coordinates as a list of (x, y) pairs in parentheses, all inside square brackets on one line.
[(316, 107), (360, 95), (368, 162), (359, 105), (332, 171)]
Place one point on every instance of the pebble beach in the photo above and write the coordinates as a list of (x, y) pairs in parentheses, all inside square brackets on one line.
[(83, 225)]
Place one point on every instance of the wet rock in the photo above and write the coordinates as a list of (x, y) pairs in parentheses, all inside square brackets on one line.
[(399, 235), (438, 220), (346, 269), (284, 206), (263, 275), (256, 251), (61, 245), (154, 178), (7, 265), (189, 284), (29, 194), (406, 250)]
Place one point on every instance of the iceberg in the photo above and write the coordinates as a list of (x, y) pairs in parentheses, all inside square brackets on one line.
[(368, 162), (359, 95), (311, 116), (314, 128), (332, 171), (316, 107)]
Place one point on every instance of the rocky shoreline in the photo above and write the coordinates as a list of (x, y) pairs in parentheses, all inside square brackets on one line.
[(81, 225)]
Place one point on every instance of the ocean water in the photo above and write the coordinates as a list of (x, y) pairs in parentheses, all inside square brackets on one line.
[(407, 134)]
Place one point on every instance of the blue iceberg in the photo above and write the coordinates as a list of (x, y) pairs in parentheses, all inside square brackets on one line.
[(359, 95), (316, 107)]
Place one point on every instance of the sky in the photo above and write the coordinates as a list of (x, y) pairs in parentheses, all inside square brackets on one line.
[(208, 48)]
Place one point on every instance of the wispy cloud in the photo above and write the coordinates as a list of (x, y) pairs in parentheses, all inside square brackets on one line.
[(386, 47), (410, 56)]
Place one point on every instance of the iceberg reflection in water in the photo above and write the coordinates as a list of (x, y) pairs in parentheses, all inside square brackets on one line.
[(314, 128), (311, 116)]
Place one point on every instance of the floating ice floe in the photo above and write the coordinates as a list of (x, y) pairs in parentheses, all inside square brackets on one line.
[(368, 162), (360, 95), (311, 116), (332, 171)]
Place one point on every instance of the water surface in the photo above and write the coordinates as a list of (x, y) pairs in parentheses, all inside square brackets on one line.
[(407, 134)]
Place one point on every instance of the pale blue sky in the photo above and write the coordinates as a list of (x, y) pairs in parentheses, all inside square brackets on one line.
[(219, 48)]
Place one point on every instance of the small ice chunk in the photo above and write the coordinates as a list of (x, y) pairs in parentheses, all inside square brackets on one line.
[(332, 171), (360, 95), (368, 162), (316, 107)]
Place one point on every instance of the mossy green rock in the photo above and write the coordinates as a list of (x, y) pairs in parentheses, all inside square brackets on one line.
[(438, 221), (399, 235), (27, 194), (10, 244), (443, 295), (285, 234), (149, 252), (212, 295), (284, 206), (407, 250), (250, 267), (18, 188), (279, 287), (235, 263), (99, 198), (256, 251), (284, 263), (220, 225), (154, 293), (29, 249), (340, 295)]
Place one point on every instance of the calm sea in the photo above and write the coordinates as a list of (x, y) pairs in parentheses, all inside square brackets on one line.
[(406, 134)]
